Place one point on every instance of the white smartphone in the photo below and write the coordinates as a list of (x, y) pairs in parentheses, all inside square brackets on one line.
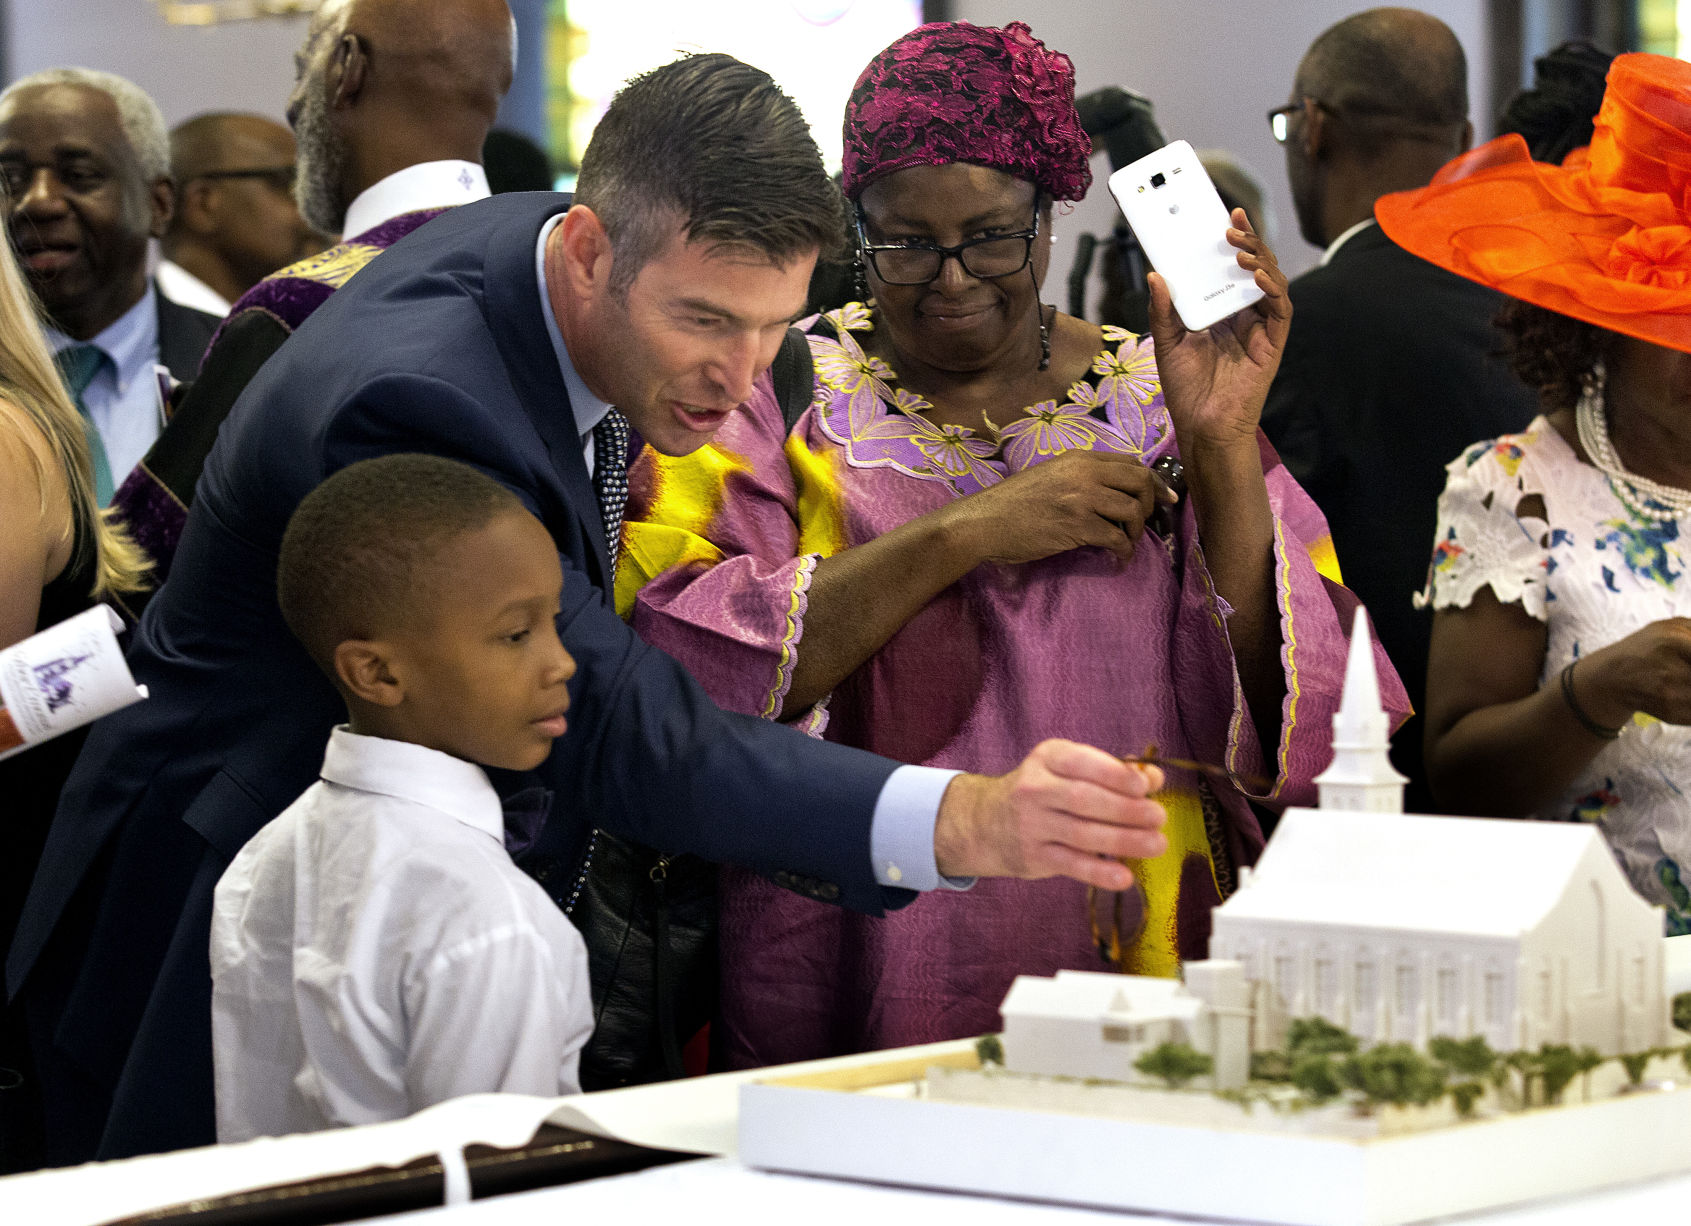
[(1181, 222)]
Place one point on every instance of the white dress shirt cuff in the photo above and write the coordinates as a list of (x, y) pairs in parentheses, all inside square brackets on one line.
[(901, 837)]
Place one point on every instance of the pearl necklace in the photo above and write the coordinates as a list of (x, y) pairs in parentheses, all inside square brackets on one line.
[(1643, 497)]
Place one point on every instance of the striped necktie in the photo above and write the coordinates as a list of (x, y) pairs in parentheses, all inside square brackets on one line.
[(78, 364), (610, 479)]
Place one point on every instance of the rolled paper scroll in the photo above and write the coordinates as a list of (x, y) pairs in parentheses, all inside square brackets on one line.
[(62, 678)]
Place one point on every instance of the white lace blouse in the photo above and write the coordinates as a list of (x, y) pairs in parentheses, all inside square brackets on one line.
[(1594, 573)]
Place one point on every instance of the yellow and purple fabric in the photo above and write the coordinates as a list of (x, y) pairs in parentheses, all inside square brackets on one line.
[(718, 551)]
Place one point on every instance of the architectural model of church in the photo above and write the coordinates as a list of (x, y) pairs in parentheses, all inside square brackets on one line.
[(1395, 927)]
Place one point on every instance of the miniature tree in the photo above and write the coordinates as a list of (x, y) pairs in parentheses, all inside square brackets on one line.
[(989, 1049), (1393, 1073), (1558, 1065), (1174, 1064), (1471, 1057), (1316, 1035), (1589, 1059), (1316, 1077), (1271, 1066), (1682, 1011), (1466, 1094), (1526, 1065), (1635, 1062)]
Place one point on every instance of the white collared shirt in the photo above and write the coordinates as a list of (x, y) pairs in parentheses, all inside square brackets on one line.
[(185, 289), (1352, 232), (375, 951), (426, 185)]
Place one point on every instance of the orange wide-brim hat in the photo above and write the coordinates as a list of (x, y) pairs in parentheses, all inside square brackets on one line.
[(1604, 237)]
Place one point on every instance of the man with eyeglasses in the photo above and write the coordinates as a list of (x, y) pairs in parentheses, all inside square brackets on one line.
[(236, 221), (1392, 365), (86, 164)]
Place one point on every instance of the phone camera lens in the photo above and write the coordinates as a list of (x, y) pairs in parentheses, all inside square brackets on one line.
[(1158, 179)]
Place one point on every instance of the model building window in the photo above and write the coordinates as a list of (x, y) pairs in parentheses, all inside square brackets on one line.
[(1326, 986), (1285, 977), (1124, 1034), (1366, 989), (1447, 994), (1405, 989), (1638, 979), (1493, 998), (1544, 995)]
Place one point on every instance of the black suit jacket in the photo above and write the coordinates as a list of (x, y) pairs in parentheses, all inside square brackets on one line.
[(440, 346), (1392, 368), (184, 334)]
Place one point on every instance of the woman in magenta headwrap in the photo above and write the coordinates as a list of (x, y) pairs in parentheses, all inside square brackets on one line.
[(953, 555)]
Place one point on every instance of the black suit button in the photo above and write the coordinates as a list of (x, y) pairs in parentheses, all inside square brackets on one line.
[(828, 892)]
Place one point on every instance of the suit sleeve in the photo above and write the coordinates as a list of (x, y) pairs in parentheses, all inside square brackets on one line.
[(648, 756)]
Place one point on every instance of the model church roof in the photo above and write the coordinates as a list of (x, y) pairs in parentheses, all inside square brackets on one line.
[(1412, 873), (1106, 996)]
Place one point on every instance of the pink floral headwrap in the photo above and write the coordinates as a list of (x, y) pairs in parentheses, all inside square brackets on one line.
[(954, 92)]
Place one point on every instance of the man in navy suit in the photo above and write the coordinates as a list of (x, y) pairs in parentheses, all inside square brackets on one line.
[(500, 334)]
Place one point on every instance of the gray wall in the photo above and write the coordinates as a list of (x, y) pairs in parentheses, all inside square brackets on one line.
[(1213, 67)]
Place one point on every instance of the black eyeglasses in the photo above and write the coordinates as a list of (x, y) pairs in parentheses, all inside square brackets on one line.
[(1280, 118), (280, 178), (993, 255)]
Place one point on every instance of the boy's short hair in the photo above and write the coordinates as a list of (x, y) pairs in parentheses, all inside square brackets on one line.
[(356, 554)]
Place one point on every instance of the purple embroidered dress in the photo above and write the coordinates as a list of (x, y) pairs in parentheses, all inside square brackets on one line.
[(718, 552)]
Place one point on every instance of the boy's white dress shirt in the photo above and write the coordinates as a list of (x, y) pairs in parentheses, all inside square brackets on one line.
[(374, 951)]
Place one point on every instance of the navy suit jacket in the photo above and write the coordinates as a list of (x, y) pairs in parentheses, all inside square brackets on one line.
[(439, 346)]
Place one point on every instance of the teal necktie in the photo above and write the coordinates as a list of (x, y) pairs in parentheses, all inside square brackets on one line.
[(78, 365)]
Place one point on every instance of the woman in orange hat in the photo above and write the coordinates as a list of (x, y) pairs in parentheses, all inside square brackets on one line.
[(1559, 683)]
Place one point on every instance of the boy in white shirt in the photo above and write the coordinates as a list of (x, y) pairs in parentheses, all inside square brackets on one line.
[(373, 949)]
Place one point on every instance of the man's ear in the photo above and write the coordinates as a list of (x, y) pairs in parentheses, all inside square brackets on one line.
[(193, 206), (584, 247), (1467, 136), (365, 668), (161, 205), (349, 66)]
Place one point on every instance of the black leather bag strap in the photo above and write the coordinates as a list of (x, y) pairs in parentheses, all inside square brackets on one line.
[(794, 376)]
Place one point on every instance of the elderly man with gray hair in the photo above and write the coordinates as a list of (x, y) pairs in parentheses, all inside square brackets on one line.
[(86, 160)]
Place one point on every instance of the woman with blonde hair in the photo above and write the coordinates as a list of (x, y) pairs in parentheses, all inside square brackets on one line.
[(59, 553)]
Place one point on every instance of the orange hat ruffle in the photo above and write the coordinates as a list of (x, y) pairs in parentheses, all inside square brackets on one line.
[(1604, 237)]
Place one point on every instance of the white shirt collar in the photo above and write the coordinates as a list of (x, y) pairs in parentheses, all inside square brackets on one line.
[(131, 341), (416, 774), (1333, 247), (427, 185), (185, 289), (589, 410)]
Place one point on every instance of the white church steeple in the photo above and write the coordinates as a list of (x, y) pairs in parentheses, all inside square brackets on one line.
[(1361, 778)]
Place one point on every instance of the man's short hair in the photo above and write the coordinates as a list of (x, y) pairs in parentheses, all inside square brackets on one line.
[(356, 557), (711, 144), (1389, 73), (139, 116)]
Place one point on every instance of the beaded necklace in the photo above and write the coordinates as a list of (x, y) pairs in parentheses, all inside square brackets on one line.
[(1643, 497)]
